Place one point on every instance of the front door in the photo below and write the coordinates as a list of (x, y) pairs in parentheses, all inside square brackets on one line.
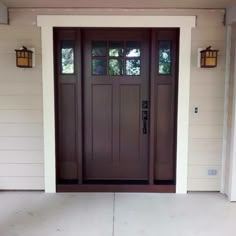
[(116, 109), (116, 103)]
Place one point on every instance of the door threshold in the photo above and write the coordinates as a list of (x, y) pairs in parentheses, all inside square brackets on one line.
[(116, 188)]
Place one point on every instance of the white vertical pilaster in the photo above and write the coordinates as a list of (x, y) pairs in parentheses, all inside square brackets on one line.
[(183, 110), (48, 110)]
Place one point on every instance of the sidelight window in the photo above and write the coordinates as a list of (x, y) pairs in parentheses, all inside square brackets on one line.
[(165, 60), (67, 57)]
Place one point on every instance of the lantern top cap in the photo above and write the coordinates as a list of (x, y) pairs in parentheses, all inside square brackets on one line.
[(24, 49), (209, 49)]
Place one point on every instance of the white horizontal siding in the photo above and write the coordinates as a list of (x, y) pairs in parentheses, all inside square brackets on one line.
[(206, 117), (206, 131), (203, 184), (206, 93), (207, 105), (21, 143), (21, 112), (216, 33), (209, 145), (17, 88), (22, 183), (201, 171), (21, 130), (21, 116), (20, 102), (207, 158), (21, 157), (21, 170)]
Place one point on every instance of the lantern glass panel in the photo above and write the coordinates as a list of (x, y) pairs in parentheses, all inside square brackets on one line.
[(211, 62), (23, 62)]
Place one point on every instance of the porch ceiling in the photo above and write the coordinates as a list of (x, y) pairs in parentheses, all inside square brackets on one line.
[(118, 3)]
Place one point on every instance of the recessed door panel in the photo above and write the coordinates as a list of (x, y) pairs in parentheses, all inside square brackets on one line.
[(68, 165), (101, 123), (164, 164), (130, 123)]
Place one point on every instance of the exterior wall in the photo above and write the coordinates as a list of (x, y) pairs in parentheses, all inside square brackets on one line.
[(207, 92), (21, 122), (21, 111)]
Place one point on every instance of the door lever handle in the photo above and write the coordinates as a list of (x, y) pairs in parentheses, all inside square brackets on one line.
[(145, 121), (144, 126)]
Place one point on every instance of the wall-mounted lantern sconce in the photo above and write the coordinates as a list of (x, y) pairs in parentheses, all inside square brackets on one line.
[(24, 58), (208, 58)]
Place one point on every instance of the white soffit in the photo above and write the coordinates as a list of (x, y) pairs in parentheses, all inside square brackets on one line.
[(115, 21), (119, 4), (3, 14)]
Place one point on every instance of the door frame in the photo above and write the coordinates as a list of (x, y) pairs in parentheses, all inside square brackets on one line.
[(47, 22)]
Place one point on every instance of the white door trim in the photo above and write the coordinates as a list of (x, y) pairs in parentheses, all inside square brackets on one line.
[(47, 22)]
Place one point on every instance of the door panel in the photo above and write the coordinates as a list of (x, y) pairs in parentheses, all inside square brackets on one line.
[(129, 122), (115, 83), (101, 129), (164, 168)]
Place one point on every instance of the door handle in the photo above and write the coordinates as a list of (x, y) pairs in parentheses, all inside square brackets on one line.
[(144, 126), (145, 121)]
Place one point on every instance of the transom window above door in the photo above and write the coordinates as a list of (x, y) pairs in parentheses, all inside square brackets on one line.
[(116, 58)]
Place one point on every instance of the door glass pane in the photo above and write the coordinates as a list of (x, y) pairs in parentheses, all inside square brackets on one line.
[(99, 48), (116, 67), (67, 57), (116, 49), (133, 67), (165, 59), (133, 49), (99, 66)]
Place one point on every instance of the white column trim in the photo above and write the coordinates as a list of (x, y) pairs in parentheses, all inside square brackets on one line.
[(183, 110), (48, 110), (185, 23), (226, 104), (232, 165)]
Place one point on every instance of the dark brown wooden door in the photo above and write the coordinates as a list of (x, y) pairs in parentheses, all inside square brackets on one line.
[(116, 104), (116, 109)]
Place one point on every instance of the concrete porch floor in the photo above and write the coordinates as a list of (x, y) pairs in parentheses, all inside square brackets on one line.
[(120, 214)]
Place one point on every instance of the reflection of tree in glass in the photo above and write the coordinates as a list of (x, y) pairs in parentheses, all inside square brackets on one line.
[(116, 67), (67, 61), (164, 61), (133, 67), (116, 52), (99, 67), (132, 52)]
